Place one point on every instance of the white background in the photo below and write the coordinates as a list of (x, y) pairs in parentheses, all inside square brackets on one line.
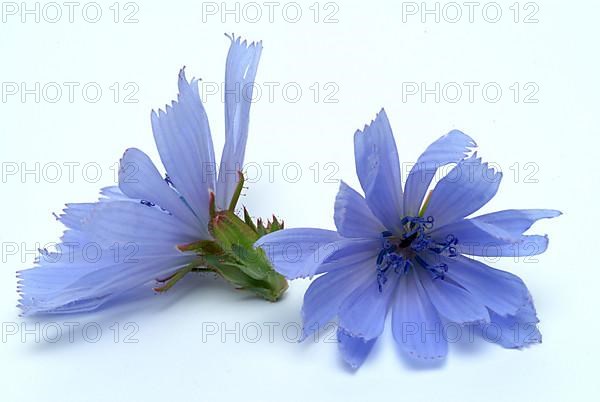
[(370, 55)]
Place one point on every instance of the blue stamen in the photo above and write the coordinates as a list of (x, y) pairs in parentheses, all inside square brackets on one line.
[(425, 223), (420, 243), (387, 258), (417, 225), (438, 270), (407, 266), (448, 245), (397, 253), (380, 257)]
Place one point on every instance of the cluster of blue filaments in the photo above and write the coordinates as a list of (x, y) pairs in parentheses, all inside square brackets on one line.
[(400, 254)]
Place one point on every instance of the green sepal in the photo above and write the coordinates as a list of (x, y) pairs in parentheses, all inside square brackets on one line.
[(167, 283), (233, 256), (248, 220), (271, 288), (237, 192), (270, 227), (274, 226), (237, 239)]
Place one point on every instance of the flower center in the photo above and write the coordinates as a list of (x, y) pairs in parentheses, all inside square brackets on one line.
[(400, 253)]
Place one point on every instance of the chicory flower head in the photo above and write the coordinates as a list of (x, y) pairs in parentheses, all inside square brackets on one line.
[(403, 250), (150, 228)]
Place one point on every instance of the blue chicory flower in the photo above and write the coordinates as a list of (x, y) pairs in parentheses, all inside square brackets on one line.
[(411, 253), (133, 235)]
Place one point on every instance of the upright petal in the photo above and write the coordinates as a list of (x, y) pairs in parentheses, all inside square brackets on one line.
[(416, 324), (450, 148), (498, 234), (378, 170), (466, 188), (183, 139), (354, 349), (352, 216), (139, 179), (242, 63)]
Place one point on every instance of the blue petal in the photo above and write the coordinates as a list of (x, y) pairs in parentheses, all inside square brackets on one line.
[(85, 285), (295, 253), (242, 63), (516, 221), (450, 148), (105, 223), (342, 253), (416, 324), (378, 170), (498, 290), (183, 139), (113, 193), (74, 214), (453, 302), (526, 246), (514, 331), (354, 349), (499, 233), (325, 294), (304, 252), (363, 312), (466, 188), (110, 249), (139, 179), (352, 216)]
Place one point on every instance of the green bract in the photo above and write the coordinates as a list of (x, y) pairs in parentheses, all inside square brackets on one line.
[(231, 253)]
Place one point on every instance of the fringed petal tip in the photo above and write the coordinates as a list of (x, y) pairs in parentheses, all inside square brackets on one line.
[(418, 356), (475, 159), (183, 87), (304, 335), (533, 338), (550, 213), (182, 79), (468, 141), (354, 350), (24, 308), (238, 41), (380, 114)]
